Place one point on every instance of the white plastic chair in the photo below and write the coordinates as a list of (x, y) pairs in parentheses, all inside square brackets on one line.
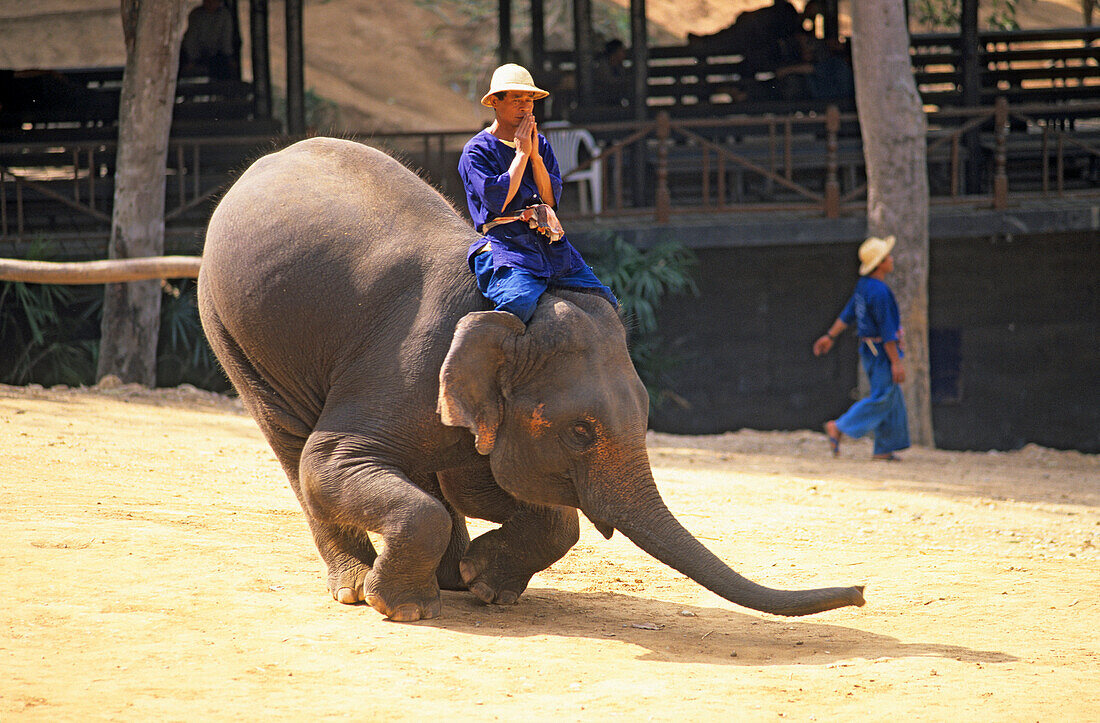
[(566, 142)]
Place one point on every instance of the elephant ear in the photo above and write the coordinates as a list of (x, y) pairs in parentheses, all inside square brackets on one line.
[(469, 381)]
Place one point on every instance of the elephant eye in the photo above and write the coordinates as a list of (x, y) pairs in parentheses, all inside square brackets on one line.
[(582, 433)]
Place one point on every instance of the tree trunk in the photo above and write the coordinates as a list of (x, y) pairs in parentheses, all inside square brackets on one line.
[(894, 137), (131, 311)]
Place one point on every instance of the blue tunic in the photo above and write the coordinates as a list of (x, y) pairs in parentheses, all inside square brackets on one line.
[(483, 167), (874, 311)]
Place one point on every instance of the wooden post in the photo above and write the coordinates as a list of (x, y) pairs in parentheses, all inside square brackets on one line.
[(91, 178), (196, 169), (970, 72), (261, 58), (538, 36), (662, 198), (295, 75), (639, 58), (831, 20), (1046, 158), (1000, 131), (504, 31), (76, 175), (583, 51), (181, 166), (832, 184)]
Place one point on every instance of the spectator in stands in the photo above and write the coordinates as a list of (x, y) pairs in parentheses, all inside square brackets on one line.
[(45, 94), (764, 37), (208, 47), (823, 72), (610, 77), (811, 11)]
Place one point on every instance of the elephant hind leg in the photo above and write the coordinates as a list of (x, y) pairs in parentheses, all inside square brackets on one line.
[(448, 574), (347, 553), (344, 488)]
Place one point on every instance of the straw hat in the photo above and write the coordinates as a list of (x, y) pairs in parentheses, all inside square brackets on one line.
[(872, 252), (512, 77)]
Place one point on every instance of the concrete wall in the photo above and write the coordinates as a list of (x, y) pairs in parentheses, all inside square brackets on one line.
[(1016, 357)]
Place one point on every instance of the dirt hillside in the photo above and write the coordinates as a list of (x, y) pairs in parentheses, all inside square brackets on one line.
[(390, 65), (157, 567)]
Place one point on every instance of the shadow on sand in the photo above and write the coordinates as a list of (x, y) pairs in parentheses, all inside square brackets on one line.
[(677, 633)]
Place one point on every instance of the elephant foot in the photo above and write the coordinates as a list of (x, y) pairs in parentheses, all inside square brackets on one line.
[(488, 570), (346, 584), (403, 606)]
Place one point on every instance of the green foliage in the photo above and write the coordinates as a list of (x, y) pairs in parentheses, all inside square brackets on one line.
[(942, 15), (641, 280), (183, 354), (321, 114), (48, 333)]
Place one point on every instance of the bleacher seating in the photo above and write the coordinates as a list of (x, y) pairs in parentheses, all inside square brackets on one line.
[(1058, 65), (83, 103)]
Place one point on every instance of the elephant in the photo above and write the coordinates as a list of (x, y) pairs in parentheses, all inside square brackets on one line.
[(335, 290)]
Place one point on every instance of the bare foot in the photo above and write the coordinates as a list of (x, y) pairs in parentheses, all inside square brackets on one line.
[(833, 433)]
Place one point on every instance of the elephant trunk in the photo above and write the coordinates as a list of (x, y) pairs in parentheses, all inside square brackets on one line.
[(645, 519)]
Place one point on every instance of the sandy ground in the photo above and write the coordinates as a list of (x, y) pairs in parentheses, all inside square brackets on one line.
[(157, 567)]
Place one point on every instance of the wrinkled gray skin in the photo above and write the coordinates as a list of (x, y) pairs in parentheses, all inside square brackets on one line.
[(335, 291)]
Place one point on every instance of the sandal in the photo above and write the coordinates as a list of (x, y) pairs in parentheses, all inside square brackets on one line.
[(834, 442), (888, 457)]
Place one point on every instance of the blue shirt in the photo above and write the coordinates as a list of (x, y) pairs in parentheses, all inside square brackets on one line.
[(483, 167), (873, 309)]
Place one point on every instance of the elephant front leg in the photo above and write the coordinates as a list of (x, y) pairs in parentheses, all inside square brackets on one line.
[(342, 489), (499, 564)]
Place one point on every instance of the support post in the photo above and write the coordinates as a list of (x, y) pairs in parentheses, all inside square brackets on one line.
[(832, 184), (583, 50), (261, 58), (504, 31), (639, 58), (831, 20), (295, 73), (538, 36), (1000, 130), (663, 200), (969, 51)]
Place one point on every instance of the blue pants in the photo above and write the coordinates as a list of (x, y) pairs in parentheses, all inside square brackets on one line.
[(518, 291), (883, 412)]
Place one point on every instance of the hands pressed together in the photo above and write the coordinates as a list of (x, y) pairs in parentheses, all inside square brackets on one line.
[(527, 134)]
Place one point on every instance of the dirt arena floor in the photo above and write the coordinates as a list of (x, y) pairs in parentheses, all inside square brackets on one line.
[(156, 567)]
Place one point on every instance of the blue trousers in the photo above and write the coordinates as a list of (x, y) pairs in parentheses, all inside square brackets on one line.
[(882, 413), (518, 291)]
